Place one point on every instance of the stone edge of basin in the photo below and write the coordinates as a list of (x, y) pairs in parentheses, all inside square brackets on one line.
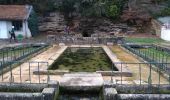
[(48, 92)]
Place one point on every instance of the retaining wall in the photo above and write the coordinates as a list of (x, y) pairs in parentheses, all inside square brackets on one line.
[(16, 91), (136, 92)]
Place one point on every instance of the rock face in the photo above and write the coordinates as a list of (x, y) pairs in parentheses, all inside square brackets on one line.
[(139, 11), (102, 26), (54, 23)]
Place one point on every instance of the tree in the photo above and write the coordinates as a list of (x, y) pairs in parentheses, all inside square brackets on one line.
[(112, 11), (33, 23), (39, 5), (67, 7)]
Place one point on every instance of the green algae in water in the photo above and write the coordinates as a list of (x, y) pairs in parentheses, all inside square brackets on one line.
[(83, 60)]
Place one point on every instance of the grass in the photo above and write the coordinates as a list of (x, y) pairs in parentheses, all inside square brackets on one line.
[(16, 52), (83, 60), (144, 40), (134, 68), (155, 54)]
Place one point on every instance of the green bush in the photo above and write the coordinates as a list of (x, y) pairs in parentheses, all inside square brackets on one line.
[(165, 12), (112, 11), (20, 37), (33, 23)]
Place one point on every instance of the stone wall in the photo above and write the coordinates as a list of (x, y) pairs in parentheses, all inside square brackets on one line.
[(156, 26), (14, 91), (136, 92)]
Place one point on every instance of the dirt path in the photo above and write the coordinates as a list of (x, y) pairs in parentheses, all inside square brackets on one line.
[(126, 57)]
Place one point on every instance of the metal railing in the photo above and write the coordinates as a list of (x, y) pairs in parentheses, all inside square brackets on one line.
[(152, 54), (143, 73), (9, 54), (23, 72)]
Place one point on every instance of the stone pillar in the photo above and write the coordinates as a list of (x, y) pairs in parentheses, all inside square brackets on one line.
[(48, 93), (110, 94)]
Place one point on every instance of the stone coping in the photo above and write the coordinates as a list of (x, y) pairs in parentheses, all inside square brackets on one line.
[(135, 92), (62, 72), (44, 91), (85, 46), (46, 94), (122, 70), (81, 81), (112, 94), (121, 67)]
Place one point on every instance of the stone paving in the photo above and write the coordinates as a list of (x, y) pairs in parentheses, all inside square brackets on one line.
[(114, 59), (134, 68), (24, 70), (53, 52), (82, 81)]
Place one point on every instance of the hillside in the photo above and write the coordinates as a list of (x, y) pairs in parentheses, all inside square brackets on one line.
[(96, 16)]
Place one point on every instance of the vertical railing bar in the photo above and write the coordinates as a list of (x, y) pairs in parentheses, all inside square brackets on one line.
[(20, 75), (7, 55), (2, 71), (159, 77), (29, 73), (121, 73), (112, 74), (48, 74), (10, 72), (169, 79), (3, 61), (140, 72), (39, 72)]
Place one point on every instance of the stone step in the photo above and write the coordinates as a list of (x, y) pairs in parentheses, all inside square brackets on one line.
[(82, 81)]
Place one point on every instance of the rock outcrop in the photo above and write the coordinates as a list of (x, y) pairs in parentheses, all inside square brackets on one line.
[(54, 23)]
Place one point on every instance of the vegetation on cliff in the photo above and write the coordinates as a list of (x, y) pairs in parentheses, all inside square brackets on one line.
[(95, 8)]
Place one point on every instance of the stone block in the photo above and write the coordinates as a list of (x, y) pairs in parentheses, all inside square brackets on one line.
[(81, 81), (110, 94), (48, 93)]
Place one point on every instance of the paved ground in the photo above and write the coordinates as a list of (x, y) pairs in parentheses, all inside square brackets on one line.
[(25, 70), (126, 57), (52, 53), (84, 81)]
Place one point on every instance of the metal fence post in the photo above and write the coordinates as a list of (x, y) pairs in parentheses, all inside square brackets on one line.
[(29, 72), (159, 77), (7, 55), (140, 72), (121, 73), (3, 60), (48, 74), (20, 74), (39, 71), (10, 72), (112, 74), (169, 79), (2, 71)]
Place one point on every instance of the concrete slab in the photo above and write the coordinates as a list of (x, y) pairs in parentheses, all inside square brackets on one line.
[(82, 81)]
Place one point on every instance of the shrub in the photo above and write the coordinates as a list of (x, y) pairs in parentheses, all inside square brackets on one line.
[(33, 23), (165, 12)]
